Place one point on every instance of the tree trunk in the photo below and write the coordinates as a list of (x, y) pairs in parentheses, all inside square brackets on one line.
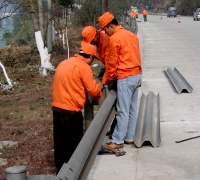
[(49, 31), (41, 19), (43, 51), (9, 86), (67, 42), (53, 25), (104, 6), (53, 32)]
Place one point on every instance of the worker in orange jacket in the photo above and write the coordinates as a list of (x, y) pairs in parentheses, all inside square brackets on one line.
[(97, 38), (101, 40), (144, 12), (73, 78), (124, 64), (134, 14)]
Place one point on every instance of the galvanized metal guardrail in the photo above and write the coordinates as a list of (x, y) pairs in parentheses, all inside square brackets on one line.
[(79, 165), (131, 22), (148, 122), (179, 82)]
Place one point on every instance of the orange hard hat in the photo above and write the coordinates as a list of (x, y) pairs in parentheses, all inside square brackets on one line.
[(88, 33), (105, 19), (89, 49)]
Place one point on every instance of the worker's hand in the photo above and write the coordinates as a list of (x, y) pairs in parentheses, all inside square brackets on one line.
[(100, 85)]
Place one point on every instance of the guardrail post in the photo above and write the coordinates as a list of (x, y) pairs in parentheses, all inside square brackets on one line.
[(88, 111), (134, 27), (16, 173)]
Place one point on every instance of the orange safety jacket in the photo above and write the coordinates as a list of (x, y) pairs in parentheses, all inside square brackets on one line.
[(144, 12), (134, 14), (73, 78), (124, 57), (102, 48)]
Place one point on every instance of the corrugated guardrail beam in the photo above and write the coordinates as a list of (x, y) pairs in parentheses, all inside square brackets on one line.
[(178, 80), (83, 157), (148, 122)]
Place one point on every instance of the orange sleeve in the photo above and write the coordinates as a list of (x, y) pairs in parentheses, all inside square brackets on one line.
[(103, 46), (111, 61), (90, 83), (124, 58)]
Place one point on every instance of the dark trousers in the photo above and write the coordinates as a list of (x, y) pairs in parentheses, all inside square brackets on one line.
[(145, 18), (67, 133), (112, 85)]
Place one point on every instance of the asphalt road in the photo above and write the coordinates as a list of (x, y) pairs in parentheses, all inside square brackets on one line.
[(164, 43)]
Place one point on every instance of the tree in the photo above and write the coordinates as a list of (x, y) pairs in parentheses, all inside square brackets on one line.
[(67, 4), (9, 84), (43, 51), (89, 12), (104, 6), (22, 33), (7, 9)]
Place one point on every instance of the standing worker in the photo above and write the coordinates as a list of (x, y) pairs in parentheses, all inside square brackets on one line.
[(73, 78), (123, 64), (134, 14), (144, 12)]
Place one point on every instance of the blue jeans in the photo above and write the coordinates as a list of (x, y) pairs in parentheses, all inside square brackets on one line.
[(127, 100)]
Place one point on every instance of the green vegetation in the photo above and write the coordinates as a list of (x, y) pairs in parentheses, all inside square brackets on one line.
[(32, 107), (90, 11), (66, 3), (23, 32)]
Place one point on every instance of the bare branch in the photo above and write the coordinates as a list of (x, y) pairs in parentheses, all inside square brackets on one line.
[(8, 8)]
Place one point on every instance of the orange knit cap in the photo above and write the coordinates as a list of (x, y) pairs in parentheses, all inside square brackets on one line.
[(89, 49), (88, 33), (105, 19)]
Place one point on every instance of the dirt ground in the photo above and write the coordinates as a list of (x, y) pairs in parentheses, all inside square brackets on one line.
[(25, 112)]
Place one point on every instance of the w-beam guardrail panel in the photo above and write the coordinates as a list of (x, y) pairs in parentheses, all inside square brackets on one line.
[(148, 122), (179, 82), (79, 165)]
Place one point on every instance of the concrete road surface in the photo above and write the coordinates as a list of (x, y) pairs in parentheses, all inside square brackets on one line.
[(164, 43)]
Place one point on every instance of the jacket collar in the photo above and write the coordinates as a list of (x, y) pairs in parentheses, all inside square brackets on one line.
[(80, 57), (118, 28)]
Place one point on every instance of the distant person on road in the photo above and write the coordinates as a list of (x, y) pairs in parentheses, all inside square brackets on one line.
[(144, 12), (73, 78), (123, 65), (134, 14)]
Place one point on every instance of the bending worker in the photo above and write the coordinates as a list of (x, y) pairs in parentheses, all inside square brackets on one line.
[(101, 40), (134, 14), (123, 64), (98, 38), (73, 78)]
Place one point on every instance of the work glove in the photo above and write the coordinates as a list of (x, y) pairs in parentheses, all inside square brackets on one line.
[(112, 84), (101, 73)]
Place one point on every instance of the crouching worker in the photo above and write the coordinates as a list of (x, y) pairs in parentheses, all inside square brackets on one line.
[(73, 78)]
